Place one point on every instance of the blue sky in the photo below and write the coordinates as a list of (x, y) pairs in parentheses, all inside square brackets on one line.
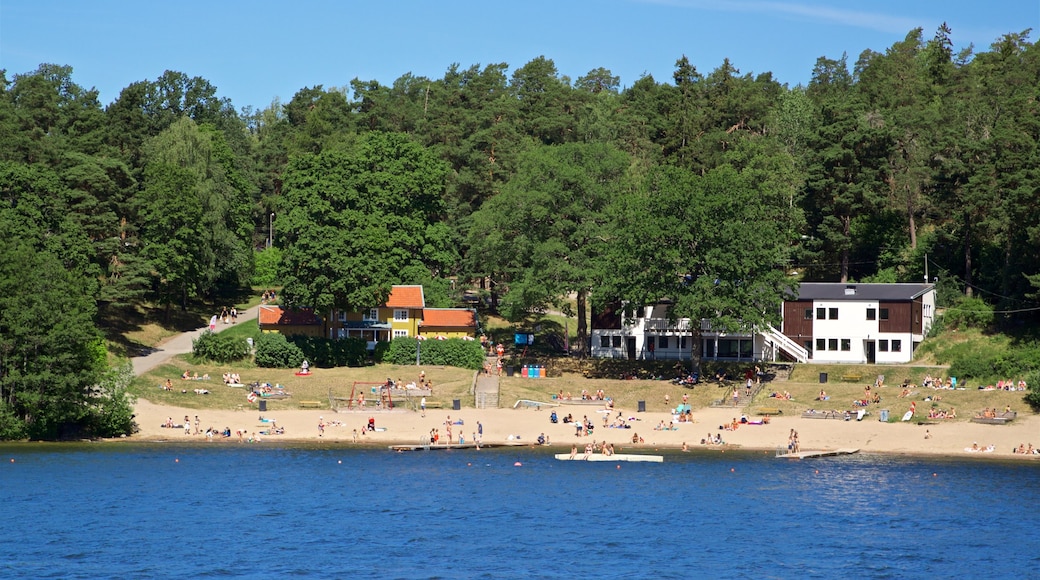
[(255, 51)]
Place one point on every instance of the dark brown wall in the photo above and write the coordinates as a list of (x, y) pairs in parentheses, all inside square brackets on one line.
[(898, 317), (795, 325)]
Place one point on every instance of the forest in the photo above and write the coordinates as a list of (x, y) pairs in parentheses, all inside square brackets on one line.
[(719, 190)]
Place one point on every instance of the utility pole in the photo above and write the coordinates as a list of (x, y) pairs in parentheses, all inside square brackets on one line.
[(270, 232)]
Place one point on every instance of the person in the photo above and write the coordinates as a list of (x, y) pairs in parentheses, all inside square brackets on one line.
[(574, 451), (305, 367), (541, 438), (321, 426), (372, 425), (196, 424), (553, 418), (685, 447), (500, 350), (422, 407), (480, 431), (187, 425)]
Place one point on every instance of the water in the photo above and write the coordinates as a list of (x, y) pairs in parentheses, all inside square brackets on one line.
[(147, 511)]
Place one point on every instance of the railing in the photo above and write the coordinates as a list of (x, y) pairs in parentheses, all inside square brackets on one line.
[(784, 342)]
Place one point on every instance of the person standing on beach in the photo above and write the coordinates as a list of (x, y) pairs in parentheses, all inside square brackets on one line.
[(321, 426), (196, 424), (422, 407), (187, 425), (480, 432)]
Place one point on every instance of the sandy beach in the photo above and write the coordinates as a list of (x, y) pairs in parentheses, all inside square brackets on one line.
[(524, 426)]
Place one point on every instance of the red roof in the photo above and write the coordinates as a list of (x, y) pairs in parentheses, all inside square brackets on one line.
[(406, 297), (448, 317), (276, 316)]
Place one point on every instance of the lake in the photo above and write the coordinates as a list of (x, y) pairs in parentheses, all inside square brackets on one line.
[(152, 510)]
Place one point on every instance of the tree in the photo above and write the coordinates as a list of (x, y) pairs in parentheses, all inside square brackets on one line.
[(355, 219), (546, 230), (51, 354), (715, 246)]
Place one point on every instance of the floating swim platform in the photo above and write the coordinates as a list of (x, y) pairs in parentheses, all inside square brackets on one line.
[(813, 454)]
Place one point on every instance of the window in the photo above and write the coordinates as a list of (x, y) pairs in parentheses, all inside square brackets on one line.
[(617, 341), (882, 345), (398, 333), (662, 342), (832, 344), (821, 314), (871, 313), (884, 314), (897, 346), (833, 314), (341, 315), (808, 313), (400, 314), (807, 344), (370, 314), (846, 344), (682, 343), (821, 344), (604, 341)]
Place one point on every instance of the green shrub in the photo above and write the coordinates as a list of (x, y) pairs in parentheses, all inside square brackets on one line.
[(219, 347), (274, 351), (454, 352), (1033, 394), (968, 312), (327, 353)]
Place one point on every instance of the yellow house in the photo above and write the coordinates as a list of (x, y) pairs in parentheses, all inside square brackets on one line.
[(290, 322), (400, 316), (448, 323)]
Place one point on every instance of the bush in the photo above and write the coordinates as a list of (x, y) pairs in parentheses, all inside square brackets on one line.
[(968, 312), (454, 352), (112, 410), (1033, 394), (327, 353), (274, 351), (219, 347)]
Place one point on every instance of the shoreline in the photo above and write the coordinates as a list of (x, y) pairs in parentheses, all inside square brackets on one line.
[(515, 429)]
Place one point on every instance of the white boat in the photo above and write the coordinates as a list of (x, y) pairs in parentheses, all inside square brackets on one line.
[(614, 457)]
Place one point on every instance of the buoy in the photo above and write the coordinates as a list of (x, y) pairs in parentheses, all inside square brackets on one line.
[(340, 461), (517, 464), (933, 475), (12, 460), (176, 460), (817, 472), (731, 470), (619, 467), (469, 465)]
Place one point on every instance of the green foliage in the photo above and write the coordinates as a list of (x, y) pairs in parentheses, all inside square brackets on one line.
[(454, 352), (267, 262), (327, 353), (968, 312), (112, 406), (219, 347), (1033, 395), (273, 350)]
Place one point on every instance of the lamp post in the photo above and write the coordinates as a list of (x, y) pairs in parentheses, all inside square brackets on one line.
[(270, 231)]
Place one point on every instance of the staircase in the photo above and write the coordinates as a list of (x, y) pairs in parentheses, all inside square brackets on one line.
[(784, 343)]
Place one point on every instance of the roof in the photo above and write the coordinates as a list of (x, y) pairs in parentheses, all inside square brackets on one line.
[(406, 297), (276, 315), (859, 292), (451, 317)]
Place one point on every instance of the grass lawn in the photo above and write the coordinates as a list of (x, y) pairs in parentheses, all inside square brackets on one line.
[(448, 383)]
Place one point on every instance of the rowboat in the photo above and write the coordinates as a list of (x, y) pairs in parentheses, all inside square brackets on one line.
[(614, 457)]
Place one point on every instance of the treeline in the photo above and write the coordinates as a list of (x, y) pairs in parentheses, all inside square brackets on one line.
[(711, 189)]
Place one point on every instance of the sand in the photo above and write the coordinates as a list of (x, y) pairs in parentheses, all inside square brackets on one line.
[(524, 426)]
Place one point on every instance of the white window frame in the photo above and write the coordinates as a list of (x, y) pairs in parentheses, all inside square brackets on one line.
[(400, 315), (400, 333), (370, 314)]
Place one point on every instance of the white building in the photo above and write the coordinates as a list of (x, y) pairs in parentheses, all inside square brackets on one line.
[(826, 322)]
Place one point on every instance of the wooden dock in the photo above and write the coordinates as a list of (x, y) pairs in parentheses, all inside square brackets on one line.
[(782, 452)]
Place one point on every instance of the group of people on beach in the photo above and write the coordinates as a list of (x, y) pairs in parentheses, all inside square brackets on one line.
[(594, 447)]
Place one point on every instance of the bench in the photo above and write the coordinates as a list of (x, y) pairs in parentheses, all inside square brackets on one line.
[(826, 414), (770, 411), (852, 378), (311, 405), (434, 405)]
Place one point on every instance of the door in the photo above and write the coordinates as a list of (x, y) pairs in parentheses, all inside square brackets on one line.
[(630, 344), (870, 352)]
